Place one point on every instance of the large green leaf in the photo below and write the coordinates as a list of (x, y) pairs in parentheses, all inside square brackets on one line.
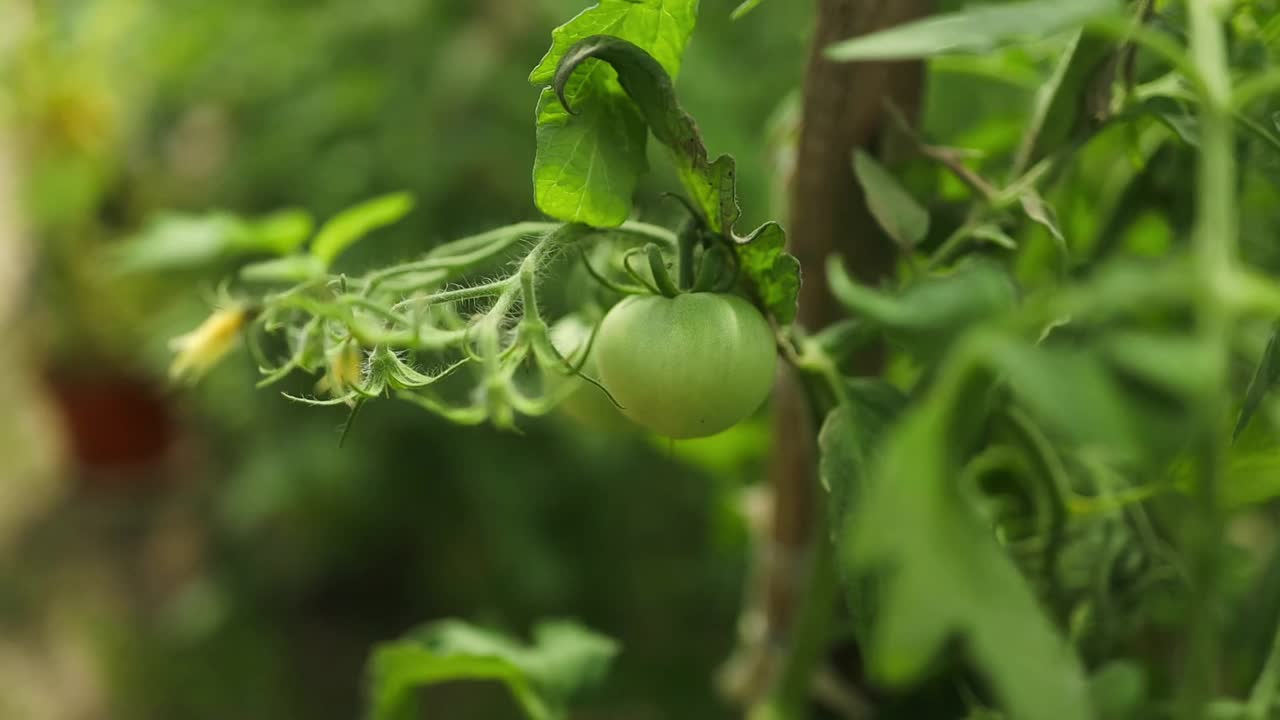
[(920, 539), (978, 28), (771, 274), (587, 164), (563, 660)]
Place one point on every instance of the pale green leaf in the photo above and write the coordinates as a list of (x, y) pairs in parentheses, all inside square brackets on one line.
[(892, 206), (280, 232), (978, 28), (587, 165), (285, 270), (351, 225)]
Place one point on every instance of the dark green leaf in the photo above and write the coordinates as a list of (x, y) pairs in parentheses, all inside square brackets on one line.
[(542, 678), (892, 206), (1264, 378), (771, 272), (1063, 104), (978, 28), (349, 226)]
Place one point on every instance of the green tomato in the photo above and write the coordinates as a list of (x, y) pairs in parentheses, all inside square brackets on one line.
[(586, 403), (688, 366)]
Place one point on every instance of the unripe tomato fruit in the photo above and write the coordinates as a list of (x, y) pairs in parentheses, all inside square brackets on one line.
[(688, 366), (586, 404)]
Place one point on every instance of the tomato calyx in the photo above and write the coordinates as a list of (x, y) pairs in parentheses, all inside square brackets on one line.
[(706, 262)]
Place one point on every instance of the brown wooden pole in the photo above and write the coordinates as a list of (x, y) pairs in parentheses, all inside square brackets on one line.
[(843, 108)]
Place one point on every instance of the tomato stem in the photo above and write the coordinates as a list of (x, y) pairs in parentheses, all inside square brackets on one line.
[(658, 267), (687, 242)]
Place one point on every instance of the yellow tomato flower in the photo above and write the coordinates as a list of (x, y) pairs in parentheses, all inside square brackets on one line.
[(199, 350)]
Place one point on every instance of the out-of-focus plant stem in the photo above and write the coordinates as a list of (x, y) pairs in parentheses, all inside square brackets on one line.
[(1215, 247)]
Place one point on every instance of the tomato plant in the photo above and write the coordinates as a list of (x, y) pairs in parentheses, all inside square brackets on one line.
[(1033, 427)]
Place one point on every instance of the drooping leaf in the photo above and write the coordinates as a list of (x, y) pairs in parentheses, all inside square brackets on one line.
[(918, 538), (587, 164), (1042, 213), (351, 225), (897, 213), (771, 274), (650, 87), (977, 28), (1264, 378), (1063, 104), (563, 660), (929, 315)]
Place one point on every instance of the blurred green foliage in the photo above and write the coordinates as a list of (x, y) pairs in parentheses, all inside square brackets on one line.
[(314, 553)]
